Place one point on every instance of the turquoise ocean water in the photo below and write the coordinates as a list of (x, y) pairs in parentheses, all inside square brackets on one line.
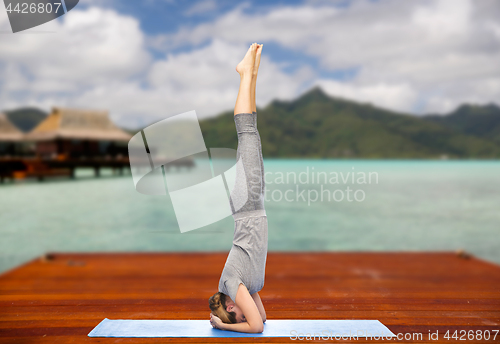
[(387, 206)]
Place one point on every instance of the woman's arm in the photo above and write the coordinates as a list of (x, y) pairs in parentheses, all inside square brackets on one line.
[(247, 305), (260, 306)]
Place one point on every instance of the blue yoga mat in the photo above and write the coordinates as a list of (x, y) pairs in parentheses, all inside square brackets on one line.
[(327, 329)]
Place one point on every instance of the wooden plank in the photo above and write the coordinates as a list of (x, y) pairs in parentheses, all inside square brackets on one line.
[(60, 298)]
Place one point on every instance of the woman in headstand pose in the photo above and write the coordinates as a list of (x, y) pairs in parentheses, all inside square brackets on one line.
[(237, 305)]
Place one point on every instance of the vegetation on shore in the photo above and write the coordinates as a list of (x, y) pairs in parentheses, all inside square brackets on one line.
[(319, 126), (316, 125)]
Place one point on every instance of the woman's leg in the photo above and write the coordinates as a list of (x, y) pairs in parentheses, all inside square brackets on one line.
[(247, 194), (254, 76), (254, 107), (245, 69)]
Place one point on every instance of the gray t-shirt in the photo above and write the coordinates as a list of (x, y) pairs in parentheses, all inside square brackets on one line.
[(246, 262)]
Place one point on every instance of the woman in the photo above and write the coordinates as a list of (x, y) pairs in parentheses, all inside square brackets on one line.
[(237, 305)]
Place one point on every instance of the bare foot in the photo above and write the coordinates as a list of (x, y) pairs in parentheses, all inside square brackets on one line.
[(257, 59), (246, 65)]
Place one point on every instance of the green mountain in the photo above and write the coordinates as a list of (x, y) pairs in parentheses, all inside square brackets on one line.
[(319, 126), (475, 120), (316, 125), (26, 118)]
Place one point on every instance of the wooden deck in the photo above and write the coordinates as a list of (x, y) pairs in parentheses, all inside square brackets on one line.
[(60, 299)]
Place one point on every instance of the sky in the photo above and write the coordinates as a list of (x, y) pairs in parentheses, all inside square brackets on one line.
[(151, 59)]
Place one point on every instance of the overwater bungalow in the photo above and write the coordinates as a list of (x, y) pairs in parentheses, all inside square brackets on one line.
[(11, 138), (64, 141), (75, 133)]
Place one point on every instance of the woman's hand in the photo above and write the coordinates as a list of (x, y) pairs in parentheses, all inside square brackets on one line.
[(216, 322)]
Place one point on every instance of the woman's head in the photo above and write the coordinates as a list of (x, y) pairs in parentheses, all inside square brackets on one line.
[(223, 307)]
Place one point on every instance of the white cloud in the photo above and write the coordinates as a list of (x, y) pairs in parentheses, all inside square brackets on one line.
[(443, 17), (201, 7), (428, 56), (392, 96), (428, 46), (84, 51), (86, 47), (97, 59), (204, 80)]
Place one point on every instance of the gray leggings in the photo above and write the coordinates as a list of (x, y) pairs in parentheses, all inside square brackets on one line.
[(251, 176)]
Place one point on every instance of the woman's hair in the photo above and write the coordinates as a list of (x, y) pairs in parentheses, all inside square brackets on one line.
[(217, 304)]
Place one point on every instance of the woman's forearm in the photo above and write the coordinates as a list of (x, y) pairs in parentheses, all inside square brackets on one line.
[(260, 306), (243, 327)]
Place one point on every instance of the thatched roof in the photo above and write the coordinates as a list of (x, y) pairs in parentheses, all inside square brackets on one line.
[(8, 131), (78, 124)]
